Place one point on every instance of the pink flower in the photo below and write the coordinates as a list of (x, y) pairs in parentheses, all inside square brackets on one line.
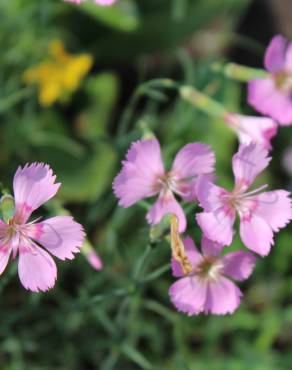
[(261, 214), (208, 288), (34, 185), (250, 129), (272, 96), (143, 175), (287, 160), (94, 259), (98, 2)]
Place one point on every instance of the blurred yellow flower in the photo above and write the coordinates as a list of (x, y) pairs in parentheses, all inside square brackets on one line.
[(59, 75)]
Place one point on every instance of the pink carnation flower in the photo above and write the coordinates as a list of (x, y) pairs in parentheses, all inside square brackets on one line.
[(272, 96), (34, 185), (250, 129), (98, 2), (94, 259), (208, 287), (261, 215), (143, 175)]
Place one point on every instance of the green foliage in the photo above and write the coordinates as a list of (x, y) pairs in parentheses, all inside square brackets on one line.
[(123, 17), (121, 317)]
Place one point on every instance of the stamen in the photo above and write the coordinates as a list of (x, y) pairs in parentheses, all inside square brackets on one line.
[(253, 192), (210, 268), (34, 221), (169, 182)]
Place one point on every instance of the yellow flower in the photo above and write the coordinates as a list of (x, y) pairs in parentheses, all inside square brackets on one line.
[(59, 75)]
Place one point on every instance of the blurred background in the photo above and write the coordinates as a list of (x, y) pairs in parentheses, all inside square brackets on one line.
[(73, 94)]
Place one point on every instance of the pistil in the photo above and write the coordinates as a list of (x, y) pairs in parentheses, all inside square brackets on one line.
[(210, 268)]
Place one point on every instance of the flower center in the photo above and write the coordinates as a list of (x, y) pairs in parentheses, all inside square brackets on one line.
[(16, 237), (13, 228), (168, 182), (283, 82), (240, 200), (210, 268)]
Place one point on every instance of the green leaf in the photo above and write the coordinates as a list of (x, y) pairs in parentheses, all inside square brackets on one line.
[(123, 17), (103, 92), (136, 356), (160, 31), (86, 180), (57, 141)]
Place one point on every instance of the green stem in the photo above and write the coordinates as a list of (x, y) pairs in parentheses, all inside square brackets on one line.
[(115, 293), (14, 98), (141, 262), (126, 117), (163, 83), (7, 277), (239, 72), (155, 274), (202, 102)]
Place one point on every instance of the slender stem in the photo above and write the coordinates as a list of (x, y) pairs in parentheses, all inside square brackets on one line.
[(14, 98), (141, 262), (163, 83), (114, 293), (239, 72), (157, 273), (7, 277), (127, 115), (202, 102)]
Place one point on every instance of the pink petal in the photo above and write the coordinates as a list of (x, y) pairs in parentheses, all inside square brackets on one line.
[(239, 265), (218, 225), (98, 2), (287, 160), (4, 258), (139, 177), (210, 248), (3, 229), (37, 270), (33, 186), (259, 130), (105, 2), (193, 255), (166, 204), (188, 295), (209, 195), (264, 97), (189, 192), (275, 208), (275, 54), (94, 260), (61, 235), (248, 162), (223, 297), (256, 235), (288, 58), (192, 161)]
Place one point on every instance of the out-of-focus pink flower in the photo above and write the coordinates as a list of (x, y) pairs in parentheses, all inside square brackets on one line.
[(272, 96), (261, 215), (93, 259), (208, 289), (259, 130), (98, 2), (143, 175), (287, 160), (33, 186)]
